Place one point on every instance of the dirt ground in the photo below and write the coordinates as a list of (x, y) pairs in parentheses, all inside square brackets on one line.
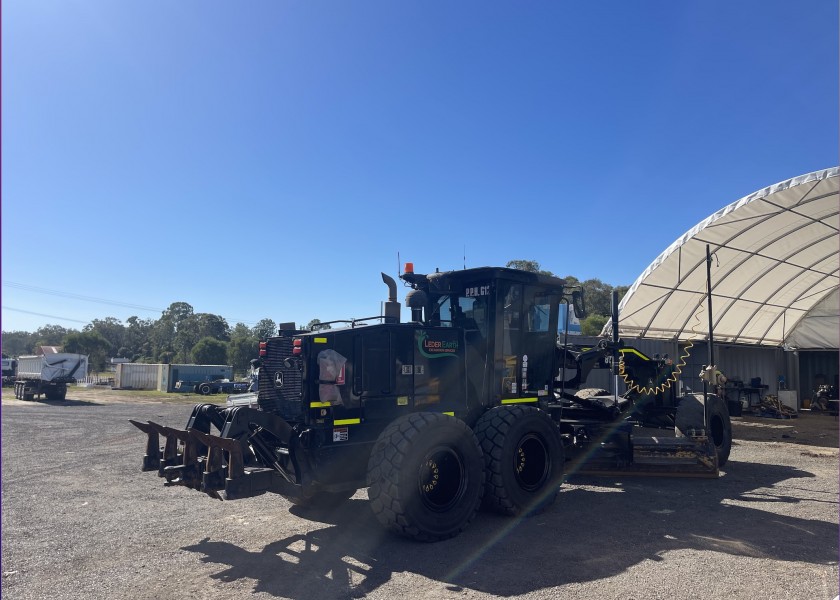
[(81, 521), (808, 428)]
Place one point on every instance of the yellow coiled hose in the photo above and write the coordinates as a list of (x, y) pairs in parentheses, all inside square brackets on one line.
[(633, 386)]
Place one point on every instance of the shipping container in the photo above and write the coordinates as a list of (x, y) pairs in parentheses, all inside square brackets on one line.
[(138, 376)]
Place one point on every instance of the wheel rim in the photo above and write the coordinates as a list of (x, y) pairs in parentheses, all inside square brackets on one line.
[(442, 479), (531, 463)]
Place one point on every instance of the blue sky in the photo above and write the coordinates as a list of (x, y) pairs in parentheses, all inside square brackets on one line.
[(269, 158)]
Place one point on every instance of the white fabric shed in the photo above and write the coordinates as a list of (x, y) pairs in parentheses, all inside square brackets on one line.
[(774, 272)]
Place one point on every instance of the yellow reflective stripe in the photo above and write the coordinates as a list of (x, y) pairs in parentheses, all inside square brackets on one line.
[(347, 421), (319, 405), (634, 351), (320, 340), (518, 400), (451, 413)]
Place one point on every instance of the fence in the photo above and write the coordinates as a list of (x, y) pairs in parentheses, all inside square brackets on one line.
[(94, 380)]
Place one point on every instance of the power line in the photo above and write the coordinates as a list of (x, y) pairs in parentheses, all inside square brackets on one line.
[(40, 290), (61, 294), (37, 314)]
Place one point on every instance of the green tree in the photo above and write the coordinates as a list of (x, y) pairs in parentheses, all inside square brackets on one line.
[(241, 351), (316, 325), (18, 343), (241, 330), (210, 351), (593, 324), (527, 265), (49, 335), (110, 328), (265, 329), (91, 343), (139, 339), (166, 329), (213, 326)]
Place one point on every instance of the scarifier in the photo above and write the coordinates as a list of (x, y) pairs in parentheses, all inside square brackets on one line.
[(476, 401)]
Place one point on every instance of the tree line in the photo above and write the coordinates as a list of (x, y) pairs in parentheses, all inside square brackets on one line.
[(597, 296), (182, 335)]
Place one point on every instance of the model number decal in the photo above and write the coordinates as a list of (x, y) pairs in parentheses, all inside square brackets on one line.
[(478, 290)]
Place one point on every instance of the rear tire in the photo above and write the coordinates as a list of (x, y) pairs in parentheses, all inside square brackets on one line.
[(523, 459), (204, 389), (426, 476)]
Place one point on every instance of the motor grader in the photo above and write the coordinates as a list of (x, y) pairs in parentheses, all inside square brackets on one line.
[(474, 402)]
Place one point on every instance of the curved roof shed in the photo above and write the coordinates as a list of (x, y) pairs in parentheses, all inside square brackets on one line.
[(775, 265)]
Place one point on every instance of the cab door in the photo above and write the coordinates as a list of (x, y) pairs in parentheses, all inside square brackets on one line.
[(539, 342), (526, 341)]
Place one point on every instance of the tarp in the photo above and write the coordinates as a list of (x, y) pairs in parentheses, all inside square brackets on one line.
[(774, 272)]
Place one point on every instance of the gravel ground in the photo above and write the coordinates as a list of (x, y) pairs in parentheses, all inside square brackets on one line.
[(81, 521)]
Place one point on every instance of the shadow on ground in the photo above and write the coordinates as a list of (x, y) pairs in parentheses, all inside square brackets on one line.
[(597, 525)]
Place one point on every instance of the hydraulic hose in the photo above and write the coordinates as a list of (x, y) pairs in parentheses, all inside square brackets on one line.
[(632, 385)]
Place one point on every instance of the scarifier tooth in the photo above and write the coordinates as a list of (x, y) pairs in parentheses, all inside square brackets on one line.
[(151, 461), (233, 448), (170, 449)]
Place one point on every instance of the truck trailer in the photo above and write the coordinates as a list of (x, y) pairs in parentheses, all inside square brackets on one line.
[(48, 374), (475, 402)]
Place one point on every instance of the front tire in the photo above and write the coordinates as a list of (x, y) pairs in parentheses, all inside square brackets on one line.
[(523, 458), (718, 426), (426, 476)]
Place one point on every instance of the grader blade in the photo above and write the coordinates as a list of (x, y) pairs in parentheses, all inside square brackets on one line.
[(657, 456), (681, 457)]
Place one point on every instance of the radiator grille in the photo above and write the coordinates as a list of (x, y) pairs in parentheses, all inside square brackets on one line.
[(286, 400)]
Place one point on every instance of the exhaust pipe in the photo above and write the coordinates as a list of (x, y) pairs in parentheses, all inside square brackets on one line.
[(392, 307)]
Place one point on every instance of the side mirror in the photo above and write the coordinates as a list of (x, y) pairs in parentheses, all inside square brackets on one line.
[(577, 303)]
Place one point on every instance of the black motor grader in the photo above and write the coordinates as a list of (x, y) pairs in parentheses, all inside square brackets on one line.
[(472, 402)]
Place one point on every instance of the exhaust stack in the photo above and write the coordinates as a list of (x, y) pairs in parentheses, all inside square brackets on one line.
[(392, 307)]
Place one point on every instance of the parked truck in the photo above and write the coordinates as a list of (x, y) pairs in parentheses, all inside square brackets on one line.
[(48, 374), (474, 402), (9, 366)]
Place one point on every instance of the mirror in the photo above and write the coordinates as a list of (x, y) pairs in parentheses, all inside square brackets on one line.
[(577, 303)]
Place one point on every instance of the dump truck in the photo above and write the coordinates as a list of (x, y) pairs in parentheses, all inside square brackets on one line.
[(48, 374), (474, 402)]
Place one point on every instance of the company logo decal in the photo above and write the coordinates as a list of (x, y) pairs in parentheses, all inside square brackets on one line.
[(436, 348)]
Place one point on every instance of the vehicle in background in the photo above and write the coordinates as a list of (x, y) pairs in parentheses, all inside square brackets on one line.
[(217, 386), (9, 366), (48, 374)]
